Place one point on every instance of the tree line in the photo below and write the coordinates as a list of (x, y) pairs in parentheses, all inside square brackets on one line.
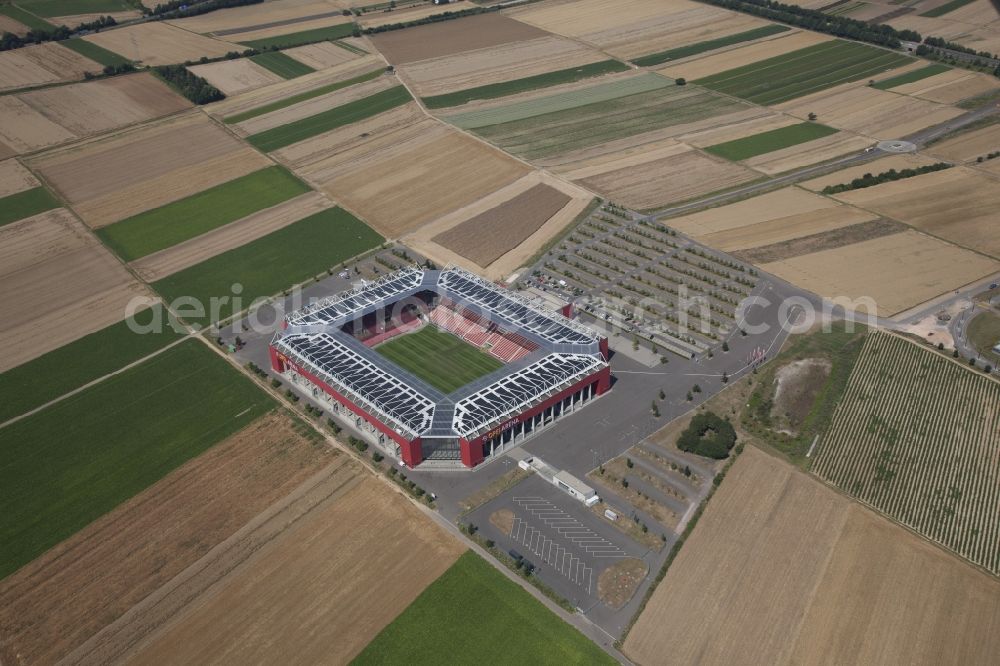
[(194, 87), (868, 180), (9, 41)]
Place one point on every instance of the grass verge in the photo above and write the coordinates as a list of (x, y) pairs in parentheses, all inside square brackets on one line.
[(98, 54), (25, 204), (283, 65), (69, 464), (304, 37), (767, 142), (352, 112), (435, 627), (192, 216), (441, 359), (62, 370), (709, 45), (301, 97), (268, 265)]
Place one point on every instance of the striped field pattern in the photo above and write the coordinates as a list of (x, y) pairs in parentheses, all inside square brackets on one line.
[(917, 437)]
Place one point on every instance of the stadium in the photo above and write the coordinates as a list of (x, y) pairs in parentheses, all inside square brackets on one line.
[(441, 365)]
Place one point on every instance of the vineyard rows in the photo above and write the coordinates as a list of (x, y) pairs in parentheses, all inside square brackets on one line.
[(917, 437)]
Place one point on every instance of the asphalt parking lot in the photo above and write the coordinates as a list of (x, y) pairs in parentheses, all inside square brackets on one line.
[(567, 543)]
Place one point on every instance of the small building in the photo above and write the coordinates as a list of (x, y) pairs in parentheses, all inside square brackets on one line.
[(575, 487)]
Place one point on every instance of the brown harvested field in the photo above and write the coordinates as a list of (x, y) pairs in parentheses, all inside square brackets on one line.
[(58, 279), (958, 204), (251, 17), (73, 20), (785, 42), (810, 152), (7, 24), (279, 91), (15, 178), (42, 63), (159, 43), (111, 178), (314, 106), (188, 253), (450, 37), (236, 76), (376, 18), (783, 229), (897, 272), (265, 31), (322, 55), (898, 162), (773, 205), (950, 87), (630, 28), (823, 240), (98, 106), (783, 570), (505, 62), (24, 129), (668, 175), (879, 114), (967, 146), (60, 600), (319, 578), (408, 176), (737, 130), (487, 236)]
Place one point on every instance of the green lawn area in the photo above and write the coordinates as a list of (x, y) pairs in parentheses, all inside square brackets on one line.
[(27, 18), (441, 359), (473, 614), (71, 7), (301, 97), (62, 370), (268, 265), (910, 77), (304, 37), (98, 54), (25, 204), (804, 71), (709, 45), (946, 8), (767, 142), (69, 464), (283, 65), (352, 112), (192, 216), (984, 332), (528, 83)]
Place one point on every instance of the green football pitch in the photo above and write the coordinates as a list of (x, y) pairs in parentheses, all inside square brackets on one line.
[(441, 359)]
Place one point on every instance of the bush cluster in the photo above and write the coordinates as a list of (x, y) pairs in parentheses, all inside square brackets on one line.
[(708, 435)]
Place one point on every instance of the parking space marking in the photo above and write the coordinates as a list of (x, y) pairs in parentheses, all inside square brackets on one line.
[(553, 554), (569, 527)]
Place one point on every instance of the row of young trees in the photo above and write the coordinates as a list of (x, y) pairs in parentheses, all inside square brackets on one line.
[(868, 180)]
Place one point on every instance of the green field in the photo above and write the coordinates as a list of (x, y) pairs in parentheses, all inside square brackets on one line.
[(73, 462), (192, 216), (301, 97), (804, 71), (71, 7), (767, 142), (25, 204), (522, 85), (283, 65), (910, 77), (62, 370), (441, 359), (352, 112), (579, 127), (27, 18), (984, 334), (98, 54), (474, 614), (268, 265), (708, 45), (946, 8), (304, 37)]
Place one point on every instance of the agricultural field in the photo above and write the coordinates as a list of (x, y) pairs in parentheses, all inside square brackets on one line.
[(17, 21), (766, 142), (267, 265), (418, 10), (716, 63), (41, 64), (60, 602), (307, 578), (970, 145), (280, 37), (182, 401), (322, 54), (912, 76), (53, 8), (160, 228), (975, 25), (94, 52), (951, 87), (276, 14), (804, 71), (632, 28), (159, 43), (441, 359), (483, 68), (59, 279), (699, 48), (959, 205), (233, 77), (897, 162), (914, 437), (452, 37), (807, 575), (283, 65), (434, 626), (112, 178), (400, 170), (21, 195)]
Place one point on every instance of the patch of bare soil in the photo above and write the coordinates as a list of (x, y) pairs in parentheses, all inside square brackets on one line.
[(825, 240), (617, 583), (797, 385), (448, 37), (503, 520)]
